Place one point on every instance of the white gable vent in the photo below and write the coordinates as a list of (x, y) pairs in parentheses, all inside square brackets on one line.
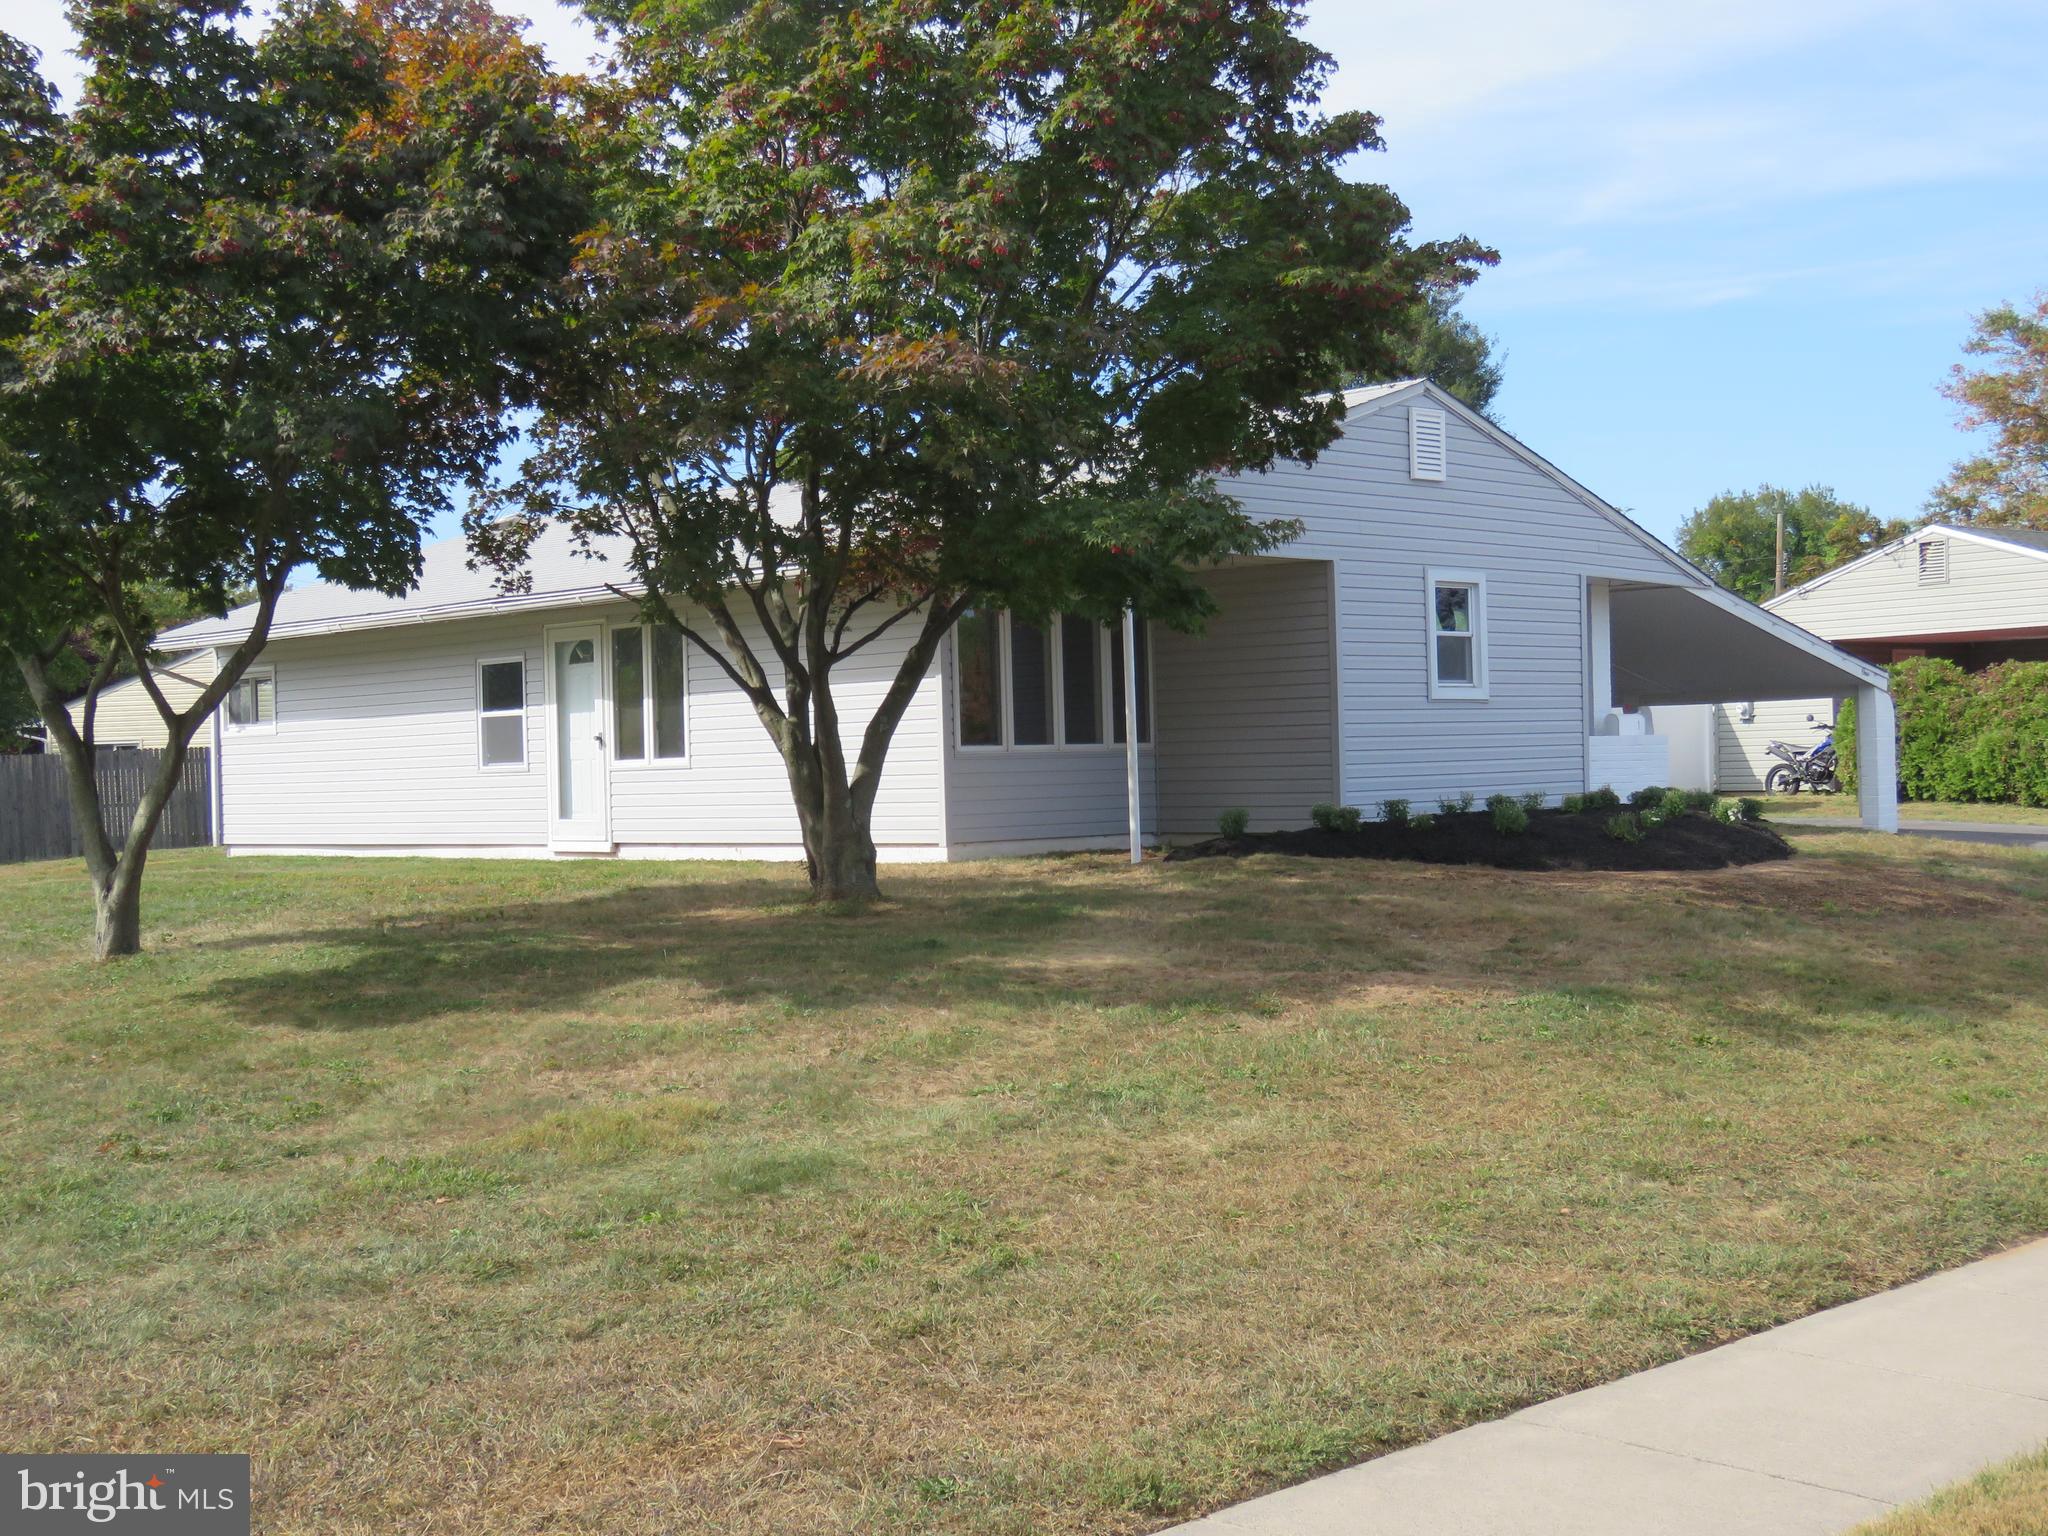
[(1934, 562), (1426, 452)]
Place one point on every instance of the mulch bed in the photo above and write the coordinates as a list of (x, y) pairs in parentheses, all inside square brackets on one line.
[(1555, 840)]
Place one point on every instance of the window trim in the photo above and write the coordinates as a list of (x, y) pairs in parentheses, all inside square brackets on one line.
[(268, 673), (525, 762), (1479, 690), (1108, 639), (647, 762)]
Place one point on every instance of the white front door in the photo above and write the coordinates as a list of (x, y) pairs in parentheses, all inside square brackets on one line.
[(579, 816)]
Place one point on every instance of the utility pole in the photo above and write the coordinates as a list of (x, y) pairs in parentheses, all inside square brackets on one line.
[(1778, 566)]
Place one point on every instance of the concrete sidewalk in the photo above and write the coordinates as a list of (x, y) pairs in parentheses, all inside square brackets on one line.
[(1810, 1428)]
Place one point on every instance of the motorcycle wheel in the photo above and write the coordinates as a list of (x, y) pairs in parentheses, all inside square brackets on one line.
[(1781, 780)]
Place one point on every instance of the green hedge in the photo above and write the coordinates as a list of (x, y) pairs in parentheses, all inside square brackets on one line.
[(1979, 736)]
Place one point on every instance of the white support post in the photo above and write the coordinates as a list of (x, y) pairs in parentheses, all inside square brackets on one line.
[(1600, 619), (1877, 759), (1131, 735)]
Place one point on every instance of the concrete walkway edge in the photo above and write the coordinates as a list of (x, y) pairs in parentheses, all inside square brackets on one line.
[(1803, 1430)]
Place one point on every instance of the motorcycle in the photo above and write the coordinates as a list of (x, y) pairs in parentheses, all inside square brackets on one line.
[(1812, 769)]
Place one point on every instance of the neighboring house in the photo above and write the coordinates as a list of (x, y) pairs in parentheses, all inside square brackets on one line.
[(1976, 596), (1455, 616), (126, 715)]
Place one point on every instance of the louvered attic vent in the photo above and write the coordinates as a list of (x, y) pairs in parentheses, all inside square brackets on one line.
[(1934, 562), (1426, 445)]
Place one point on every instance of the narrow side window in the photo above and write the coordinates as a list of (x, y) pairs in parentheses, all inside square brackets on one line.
[(501, 712), (670, 692), (629, 696), (1457, 636), (978, 648)]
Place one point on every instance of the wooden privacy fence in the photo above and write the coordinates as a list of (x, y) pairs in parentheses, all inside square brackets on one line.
[(35, 808)]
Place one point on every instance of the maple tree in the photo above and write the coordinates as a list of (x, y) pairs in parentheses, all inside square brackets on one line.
[(898, 309), (267, 299), (2006, 485)]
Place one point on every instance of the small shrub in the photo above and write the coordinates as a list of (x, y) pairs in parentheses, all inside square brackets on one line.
[(1336, 818), (1701, 800), (1603, 799), (1324, 816), (1647, 796), (1746, 812), (1752, 808), (1394, 813), (1625, 828), (1571, 805), (1234, 822), (1461, 802), (1421, 823), (1675, 802), (1532, 802), (1508, 816)]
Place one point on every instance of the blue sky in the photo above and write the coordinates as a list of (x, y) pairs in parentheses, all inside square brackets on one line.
[(1740, 242)]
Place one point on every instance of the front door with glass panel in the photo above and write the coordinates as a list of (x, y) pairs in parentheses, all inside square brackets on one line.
[(579, 813)]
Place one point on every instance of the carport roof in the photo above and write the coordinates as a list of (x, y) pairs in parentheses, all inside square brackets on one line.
[(1701, 645)]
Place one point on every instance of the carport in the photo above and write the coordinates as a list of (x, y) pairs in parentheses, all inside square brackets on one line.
[(1700, 645)]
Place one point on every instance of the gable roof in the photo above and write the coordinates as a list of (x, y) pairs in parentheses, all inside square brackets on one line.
[(1378, 396), (2026, 541)]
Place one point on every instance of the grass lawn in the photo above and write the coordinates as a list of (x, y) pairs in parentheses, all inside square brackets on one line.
[(1049, 1196), (1777, 806), (2009, 1500)]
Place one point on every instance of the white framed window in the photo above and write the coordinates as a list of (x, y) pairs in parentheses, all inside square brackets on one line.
[(1455, 624), (501, 712), (650, 695), (252, 703), (1020, 685)]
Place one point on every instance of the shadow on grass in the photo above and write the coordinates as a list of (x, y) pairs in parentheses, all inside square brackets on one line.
[(1246, 938)]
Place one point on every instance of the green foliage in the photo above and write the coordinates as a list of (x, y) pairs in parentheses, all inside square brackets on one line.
[(981, 299), (1969, 736), (1447, 349), (1234, 822), (1532, 802), (1460, 803), (2008, 484), (1571, 805), (1677, 802), (1509, 815), (1627, 827), (1602, 799), (1421, 822), (1649, 795), (1395, 813), (1336, 818), (266, 297), (1734, 536)]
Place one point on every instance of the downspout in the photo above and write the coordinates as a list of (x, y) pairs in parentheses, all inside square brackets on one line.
[(1131, 735)]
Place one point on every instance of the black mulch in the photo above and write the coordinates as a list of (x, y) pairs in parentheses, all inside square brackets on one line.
[(1555, 840)]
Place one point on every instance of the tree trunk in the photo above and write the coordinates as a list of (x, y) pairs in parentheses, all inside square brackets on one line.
[(117, 912), (839, 850)]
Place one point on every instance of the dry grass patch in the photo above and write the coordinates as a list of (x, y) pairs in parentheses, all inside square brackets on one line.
[(1046, 1196), (2008, 1500)]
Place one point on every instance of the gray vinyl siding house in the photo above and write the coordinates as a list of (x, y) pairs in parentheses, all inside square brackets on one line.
[(1455, 617), (1975, 596)]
